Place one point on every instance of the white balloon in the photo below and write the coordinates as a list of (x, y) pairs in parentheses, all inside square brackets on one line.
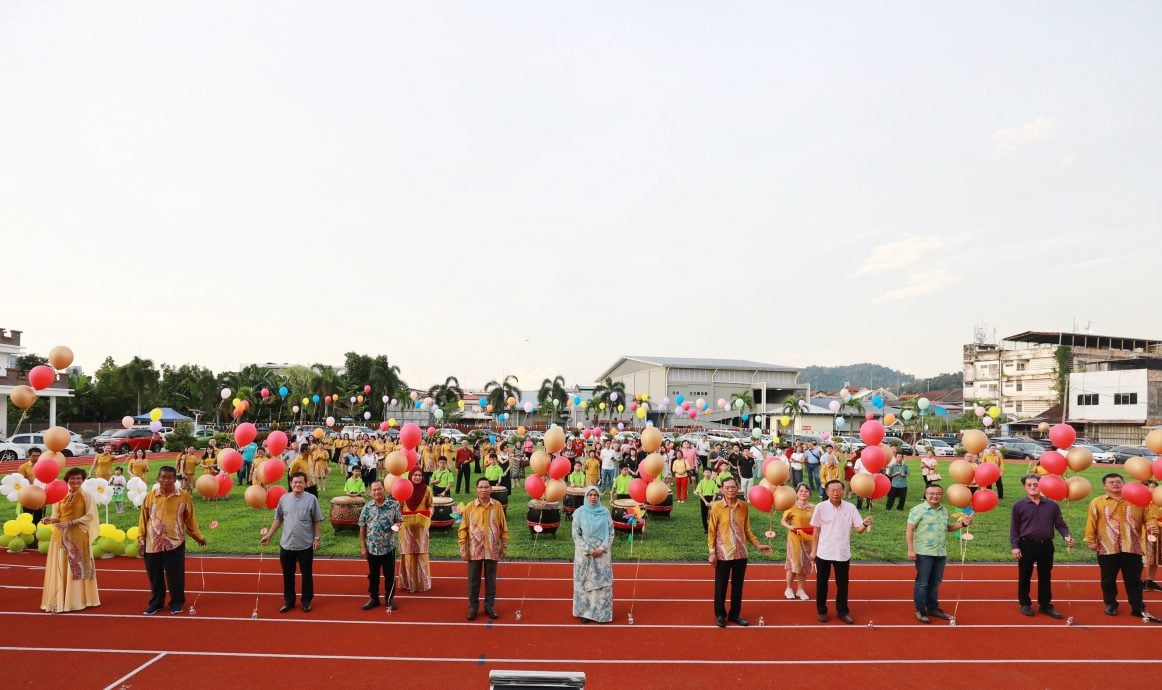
[(367, 415), (225, 393)]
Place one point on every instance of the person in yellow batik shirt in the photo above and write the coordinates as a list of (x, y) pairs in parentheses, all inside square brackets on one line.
[(210, 458), (427, 461), (70, 578), (103, 464), (257, 477), (1115, 530), (139, 465), (320, 463), (302, 464)]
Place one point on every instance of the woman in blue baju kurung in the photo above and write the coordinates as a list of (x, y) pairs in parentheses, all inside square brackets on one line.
[(592, 565)]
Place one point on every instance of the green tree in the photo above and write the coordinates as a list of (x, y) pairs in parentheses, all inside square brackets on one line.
[(552, 397), (610, 392), (447, 393), (142, 378), (742, 401), (25, 363), (497, 393)]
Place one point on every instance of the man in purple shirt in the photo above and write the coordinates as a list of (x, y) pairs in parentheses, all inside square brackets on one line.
[(1031, 535)]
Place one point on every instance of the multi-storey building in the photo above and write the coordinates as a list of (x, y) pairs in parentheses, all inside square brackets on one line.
[(1116, 401)]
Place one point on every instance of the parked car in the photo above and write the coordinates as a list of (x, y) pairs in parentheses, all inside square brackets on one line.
[(902, 447), (11, 451), (36, 440), (353, 431), (848, 444), (937, 446), (136, 438), (1123, 453), (1099, 455), (1014, 449), (451, 433)]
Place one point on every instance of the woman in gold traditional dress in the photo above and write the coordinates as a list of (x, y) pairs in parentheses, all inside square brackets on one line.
[(70, 579)]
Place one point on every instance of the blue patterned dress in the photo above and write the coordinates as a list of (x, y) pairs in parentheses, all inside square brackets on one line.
[(592, 577)]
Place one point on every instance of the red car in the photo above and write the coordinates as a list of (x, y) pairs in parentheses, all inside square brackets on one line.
[(128, 440)]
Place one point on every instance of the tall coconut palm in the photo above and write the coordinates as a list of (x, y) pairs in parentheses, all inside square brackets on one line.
[(141, 377), (384, 379), (325, 380), (794, 407), (498, 393), (446, 393), (610, 392), (552, 397)]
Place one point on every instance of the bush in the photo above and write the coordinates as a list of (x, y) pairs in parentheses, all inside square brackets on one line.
[(181, 438)]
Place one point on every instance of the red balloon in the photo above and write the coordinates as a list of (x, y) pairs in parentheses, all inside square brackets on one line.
[(401, 490), (637, 490), (1158, 468), (276, 442), (535, 486), (367, 389), (761, 498), (633, 407), (237, 412), (413, 458), (273, 494), (1062, 436), (245, 433), (1137, 493), (987, 473), (230, 460), (272, 470), (41, 377), (872, 433), (384, 426), (883, 485), (1053, 462), (559, 467), (693, 414), (984, 500), (869, 416), (873, 458), (431, 431), (410, 435), (46, 469), (225, 483), (1053, 487), (55, 491), (646, 476), (265, 392)]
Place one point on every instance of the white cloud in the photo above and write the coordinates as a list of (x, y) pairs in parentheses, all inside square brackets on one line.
[(905, 254), (920, 284), (1068, 161), (1008, 140)]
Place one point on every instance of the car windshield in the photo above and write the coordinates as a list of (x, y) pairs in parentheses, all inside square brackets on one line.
[(937, 442), (122, 433)]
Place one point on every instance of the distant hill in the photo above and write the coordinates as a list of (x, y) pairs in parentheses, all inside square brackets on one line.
[(951, 381), (864, 375)]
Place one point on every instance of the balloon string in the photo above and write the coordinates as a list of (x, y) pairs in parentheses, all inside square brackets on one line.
[(258, 588), (963, 568), (202, 572), (529, 574)]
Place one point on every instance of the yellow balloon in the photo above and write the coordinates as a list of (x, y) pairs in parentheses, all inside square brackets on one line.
[(785, 420), (155, 414), (460, 404), (601, 406), (132, 533), (621, 408), (584, 404), (391, 422), (24, 517), (306, 401), (11, 528), (994, 412), (641, 413)]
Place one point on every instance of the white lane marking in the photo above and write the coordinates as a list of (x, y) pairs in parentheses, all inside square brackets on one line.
[(117, 683)]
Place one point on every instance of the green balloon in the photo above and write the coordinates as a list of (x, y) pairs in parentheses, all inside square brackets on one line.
[(117, 549), (4, 539), (44, 534), (98, 552), (43, 547), (16, 545), (131, 551)]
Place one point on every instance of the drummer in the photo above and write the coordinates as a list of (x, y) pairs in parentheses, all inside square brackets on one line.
[(442, 478), (577, 477), (621, 483)]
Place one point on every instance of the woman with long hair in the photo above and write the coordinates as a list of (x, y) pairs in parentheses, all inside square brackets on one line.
[(70, 578)]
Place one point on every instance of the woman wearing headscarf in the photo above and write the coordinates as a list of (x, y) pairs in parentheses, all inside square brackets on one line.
[(415, 573), (592, 565), (70, 578)]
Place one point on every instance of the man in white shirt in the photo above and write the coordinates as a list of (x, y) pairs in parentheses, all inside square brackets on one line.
[(608, 467), (703, 449), (756, 453), (833, 521)]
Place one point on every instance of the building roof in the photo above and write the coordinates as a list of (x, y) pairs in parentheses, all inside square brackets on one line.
[(698, 363), (1082, 340), (1051, 415)]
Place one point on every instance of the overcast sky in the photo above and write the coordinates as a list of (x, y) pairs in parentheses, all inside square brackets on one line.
[(486, 188)]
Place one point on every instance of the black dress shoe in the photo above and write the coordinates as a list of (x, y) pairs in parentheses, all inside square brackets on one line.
[(1027, 611), (1112, 610), (740, 621), (1051, 612), (286, 607), (491, 613), (151, 610), (823, 618), (846, 618), (371, 603), (720, 621), (471, 614), (306, 607)]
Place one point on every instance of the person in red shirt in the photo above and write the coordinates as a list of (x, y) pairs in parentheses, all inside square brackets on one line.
[(464, 458)]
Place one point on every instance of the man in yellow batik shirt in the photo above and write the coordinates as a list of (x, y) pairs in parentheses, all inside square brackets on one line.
[(1114, 530), (728, 531), (167, 516), (483, 538)]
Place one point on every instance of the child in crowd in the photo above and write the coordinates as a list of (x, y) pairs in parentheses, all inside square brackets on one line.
[(118, 483), (354, 485)]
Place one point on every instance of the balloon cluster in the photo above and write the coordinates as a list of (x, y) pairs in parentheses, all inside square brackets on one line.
[(40, 377), (112, 541), (547, 481), (1052, 464), (1142, 469), (869, 483)]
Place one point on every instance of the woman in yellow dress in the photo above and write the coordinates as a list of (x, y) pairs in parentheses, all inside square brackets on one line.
[(800, 534), (321, 464), (187, 465), (415, 575), (103, 464), (139, 464), (70, 578)]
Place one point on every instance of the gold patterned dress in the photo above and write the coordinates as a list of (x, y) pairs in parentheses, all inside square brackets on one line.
[(70, 579), (799, 539), (415, 571)]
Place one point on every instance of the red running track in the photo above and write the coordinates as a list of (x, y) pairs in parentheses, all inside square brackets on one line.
[(673, 642)]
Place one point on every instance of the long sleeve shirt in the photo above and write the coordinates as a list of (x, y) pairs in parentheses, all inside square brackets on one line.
[(483, 533), (1115, 526), (728, 530), (1035, 521), (166, 519)]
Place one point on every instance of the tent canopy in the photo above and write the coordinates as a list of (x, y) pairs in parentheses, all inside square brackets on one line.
[(168, 416)]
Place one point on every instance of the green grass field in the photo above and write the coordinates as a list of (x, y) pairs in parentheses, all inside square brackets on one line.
[(677, 538)]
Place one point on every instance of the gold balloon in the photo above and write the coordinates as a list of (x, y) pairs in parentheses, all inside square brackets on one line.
[(766, 484), (959, 495), (1157, 495), (1043, 427), (57, 438), (207, 486), (784, 498), (1079, 459), (974, 441), (396, 463), (863, 484), (391, 479), (1139, 468), (55, 455), (555, 440), (961, 471), (60, 357), (654, 464), (255, 497), (539, 463), (23, 397), (555, 490), (776, 472), (889, 419), (1154, 441), (1079, 488), (317, 433), (651, 439), (1041, 471), (31, 497), (656, 492)]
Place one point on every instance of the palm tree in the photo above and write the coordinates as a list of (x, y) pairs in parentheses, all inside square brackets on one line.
[(497, 394), (610, 392), (553, 391), (446, 393), (141, 376), (324, 380), (745, 397), (794, 407), (384, 379)]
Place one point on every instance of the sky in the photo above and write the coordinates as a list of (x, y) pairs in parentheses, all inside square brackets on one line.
[(478, 189)]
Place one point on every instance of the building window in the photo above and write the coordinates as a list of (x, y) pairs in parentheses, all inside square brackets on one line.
[(1125, 398), (1087, 398), (1020, 386), (1020, 366), (1019, 408)]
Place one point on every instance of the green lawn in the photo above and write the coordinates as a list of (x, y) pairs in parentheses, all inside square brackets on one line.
[(677, 538)]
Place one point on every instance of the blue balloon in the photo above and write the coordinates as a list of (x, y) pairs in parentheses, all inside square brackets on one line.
[(283, 391), (491, 438), (649, 422), (840, 422), (878, 401), (483, 402), (745, 416), (315, 398), (576, 399), (680, 399)]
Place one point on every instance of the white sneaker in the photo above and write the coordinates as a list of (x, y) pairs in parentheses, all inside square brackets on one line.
[(789, 594), (802, 595)]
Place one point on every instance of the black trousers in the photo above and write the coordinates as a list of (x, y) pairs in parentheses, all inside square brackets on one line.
[(474, 568), (384, 564), (367, 474), (464, 474), (999, 486), (1130, 566), (705, 516), (304, 559), (1035, 553), (897, 494), (822, 575), (735, 572), (167, 567)]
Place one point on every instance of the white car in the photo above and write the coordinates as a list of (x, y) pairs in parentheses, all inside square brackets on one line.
[(1099, 455), (451, 433), (940, 448), (30, 441), (11, 451), (848, 444)]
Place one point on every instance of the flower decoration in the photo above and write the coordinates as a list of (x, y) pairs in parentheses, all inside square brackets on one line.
[(11, 485), (99, 490)]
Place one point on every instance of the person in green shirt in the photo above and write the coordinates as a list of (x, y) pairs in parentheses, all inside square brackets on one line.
[(927, 539), (354, 485), (577, 478), (705, 492), (442, 478), (723, 473), (492, 470), (621, 484)]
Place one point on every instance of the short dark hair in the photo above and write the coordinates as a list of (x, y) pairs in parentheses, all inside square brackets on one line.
[(33, 450), (166, 468), (75, 471), (1027, 477), (829, 483), (1111, 475), (299, 474), (485, 480), (729, 478)]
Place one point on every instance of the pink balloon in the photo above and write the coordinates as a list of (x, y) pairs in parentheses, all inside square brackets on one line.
[(883, 484), (367, 389), (410, 435), (1158, 468), (245, 433), (633, 407), (693, 414), (1053, 487), (41, 377), (384, 426), (761, 498), (225, 483), (872, 433), (1053, 462), (55, 491), (559, 467), (1062, 435), (46, 469), (431, 431), (870, 416), (273, 494), (535, 486), (873, 458), (586, 434), (984, 500), (646, 476), (637, 490), (276, 442), (230, 460), (1137, 493), (265, 392), (413, 458), (987, 473), (401, 490)]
